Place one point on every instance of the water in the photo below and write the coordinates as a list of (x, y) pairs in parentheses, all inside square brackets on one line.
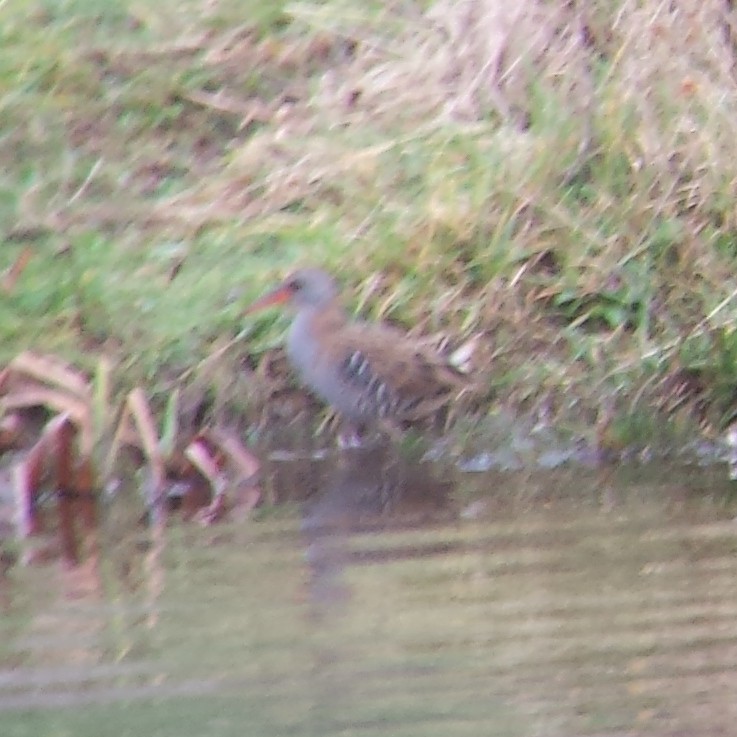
[(410, 601)]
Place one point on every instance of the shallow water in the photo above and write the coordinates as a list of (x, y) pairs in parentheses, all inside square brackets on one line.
[(407, 601)]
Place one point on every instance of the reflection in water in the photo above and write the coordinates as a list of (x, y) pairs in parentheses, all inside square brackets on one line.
[(70, 629), (369, 490), (379, 597), (376, 489)]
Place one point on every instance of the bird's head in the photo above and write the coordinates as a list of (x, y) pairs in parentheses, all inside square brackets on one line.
[(308, 287)]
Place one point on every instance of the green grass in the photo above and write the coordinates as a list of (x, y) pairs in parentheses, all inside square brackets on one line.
[(166, 163)]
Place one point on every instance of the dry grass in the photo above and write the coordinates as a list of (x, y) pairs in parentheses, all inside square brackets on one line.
[(557, 179)]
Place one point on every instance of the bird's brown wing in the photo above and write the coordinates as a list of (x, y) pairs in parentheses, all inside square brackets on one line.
[(397, 378)]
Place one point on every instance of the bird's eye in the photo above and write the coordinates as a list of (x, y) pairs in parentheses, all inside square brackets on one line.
[(295, 285)]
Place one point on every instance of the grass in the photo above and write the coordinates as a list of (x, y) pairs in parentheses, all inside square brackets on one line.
[(557, 182)]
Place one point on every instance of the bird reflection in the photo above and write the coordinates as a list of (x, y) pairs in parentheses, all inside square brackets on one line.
[(370, 490)]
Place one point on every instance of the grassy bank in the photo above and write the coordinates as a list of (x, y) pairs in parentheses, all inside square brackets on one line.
[(558, 182)]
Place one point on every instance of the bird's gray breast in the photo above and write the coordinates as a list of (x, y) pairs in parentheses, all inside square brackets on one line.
[(345, 382), (303, 347)]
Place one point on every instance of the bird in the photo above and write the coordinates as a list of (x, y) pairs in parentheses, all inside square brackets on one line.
[(371, 374)]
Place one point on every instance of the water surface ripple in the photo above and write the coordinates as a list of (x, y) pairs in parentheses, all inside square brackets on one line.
[(371, 596)]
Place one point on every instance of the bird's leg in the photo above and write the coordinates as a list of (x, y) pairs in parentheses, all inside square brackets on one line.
[(350, 436), (356, 435)]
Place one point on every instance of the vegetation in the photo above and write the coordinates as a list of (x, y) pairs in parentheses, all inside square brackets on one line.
[(557, 179)]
